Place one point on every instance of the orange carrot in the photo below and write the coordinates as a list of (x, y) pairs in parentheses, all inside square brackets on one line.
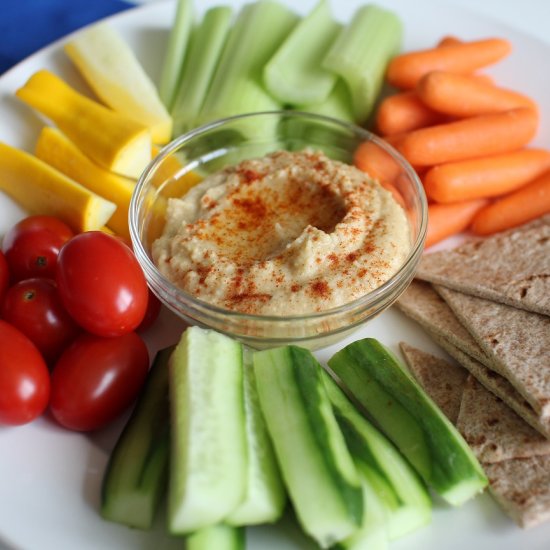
[(465, 95), (376, 161), (405, 70), (483, 79), (485, 177), (395, 193), (452, 41), (395, 139), (521, 206), (403, 112), (449, 40), (468, 138), (445, 220)]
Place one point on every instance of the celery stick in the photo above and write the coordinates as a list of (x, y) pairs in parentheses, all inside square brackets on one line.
[(294, 75), (205, 47), (337, 105), (361, 53), (175, 52), (237, 83)]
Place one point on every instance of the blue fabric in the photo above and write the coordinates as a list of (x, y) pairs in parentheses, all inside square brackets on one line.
[(28, 25)]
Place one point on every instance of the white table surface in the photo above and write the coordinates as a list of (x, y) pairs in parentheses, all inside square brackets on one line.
[(529, 16)]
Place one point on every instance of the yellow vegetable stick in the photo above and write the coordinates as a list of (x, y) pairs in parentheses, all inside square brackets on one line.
[(169, 180), (41, 189), (60, 152), (112, 140), (169, 175), (113, 72)]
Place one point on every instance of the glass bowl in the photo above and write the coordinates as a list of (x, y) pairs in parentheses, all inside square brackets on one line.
[(206, 150)]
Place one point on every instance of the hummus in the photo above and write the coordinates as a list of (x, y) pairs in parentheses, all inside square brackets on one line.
[(290, 233)]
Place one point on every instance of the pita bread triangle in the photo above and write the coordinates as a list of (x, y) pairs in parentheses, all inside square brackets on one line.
[(493, 430), (441, 380), (521, 486), (423, 304), (512, 267), (516, 341)]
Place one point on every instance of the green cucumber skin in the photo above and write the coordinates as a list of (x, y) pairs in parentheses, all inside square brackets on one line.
[(372, 535), (308, 374), (410, 439), (208, 454), (451, 460), (217, 537), (301, 446), (265, 496), (137, 470), (397, 484)]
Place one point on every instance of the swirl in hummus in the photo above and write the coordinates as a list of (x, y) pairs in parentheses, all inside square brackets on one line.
[(290, 233)]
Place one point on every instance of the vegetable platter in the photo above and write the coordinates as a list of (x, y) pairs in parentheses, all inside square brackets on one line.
[(51, 478)]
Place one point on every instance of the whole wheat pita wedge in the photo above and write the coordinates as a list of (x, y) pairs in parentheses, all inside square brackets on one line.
[(441, 380), (522, 488), (487, 376), (497, 384), (512, 267), (421, 303), (493, 430), (516, 341)]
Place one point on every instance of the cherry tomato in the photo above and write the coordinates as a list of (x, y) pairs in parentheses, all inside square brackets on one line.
[(31, 246), (24, 378), (101, 284), (34, 307), (4, 276), (96, 379), (151, 313)]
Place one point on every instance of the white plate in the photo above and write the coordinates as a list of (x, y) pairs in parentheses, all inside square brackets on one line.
[(50, 478)]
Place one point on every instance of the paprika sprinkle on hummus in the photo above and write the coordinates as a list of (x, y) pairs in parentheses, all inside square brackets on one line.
[(290, 233)]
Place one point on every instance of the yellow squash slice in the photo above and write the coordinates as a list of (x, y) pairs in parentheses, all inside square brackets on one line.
[(60, 152), (171, 176), (114, 141), (41, 189), (114, 73)]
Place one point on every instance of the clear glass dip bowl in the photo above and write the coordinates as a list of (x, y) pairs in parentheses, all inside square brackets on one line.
[(208, 149)]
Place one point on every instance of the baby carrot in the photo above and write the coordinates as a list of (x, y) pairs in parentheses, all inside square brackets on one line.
[(405, 70), (521, 206), (471, 137), (403, 112), (376, 161), (453, 40), (466, 95), (448, 40), (445, 220), (485, 177)]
